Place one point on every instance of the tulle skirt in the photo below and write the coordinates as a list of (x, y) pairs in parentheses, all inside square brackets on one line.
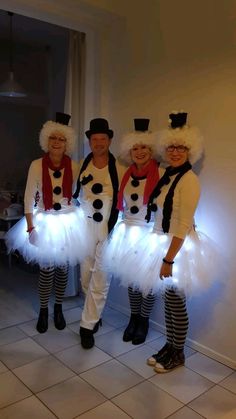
[(59, 238), (134, 256)]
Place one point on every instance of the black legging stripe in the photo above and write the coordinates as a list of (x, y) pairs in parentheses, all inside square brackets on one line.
[(176, 317), (140, 304), (46, 280)]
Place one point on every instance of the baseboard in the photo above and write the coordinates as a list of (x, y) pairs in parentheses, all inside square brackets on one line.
[(190, 342)]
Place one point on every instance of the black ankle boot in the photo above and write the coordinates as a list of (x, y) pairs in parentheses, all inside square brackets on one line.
[(87, 339), (141, 331), (42, 324), (131, 328), (97, 325), (59, 319)]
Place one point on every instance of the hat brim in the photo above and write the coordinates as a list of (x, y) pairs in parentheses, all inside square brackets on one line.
[(90, 132)]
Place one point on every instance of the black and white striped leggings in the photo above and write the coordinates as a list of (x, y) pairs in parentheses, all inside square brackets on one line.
[(176, 317), (140, 304), (49, 277)]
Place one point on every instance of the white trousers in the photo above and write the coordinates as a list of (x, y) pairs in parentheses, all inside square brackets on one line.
[(95, 284)]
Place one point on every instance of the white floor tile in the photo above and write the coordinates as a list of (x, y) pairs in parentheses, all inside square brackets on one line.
[(12, 389), (136, 360), (71, 398), (11, 334), (146, 401), (29, 328), (185, 413), (182, 383), (111, 378), (3, 368), (217, 403), (27, 409), (106, 410), (72, 315), (56, 340), (112, 343), (80, 360), (209, 368), (20, 353), (230, 383), (43, 373), (114, 317)]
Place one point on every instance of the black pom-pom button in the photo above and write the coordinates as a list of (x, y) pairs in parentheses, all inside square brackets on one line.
[(97, 188), (134, 196), (134, 210), (135, 183), (57, 206), (97, 216), (97, 204), (57, 190), (154, 207), (57, 174)]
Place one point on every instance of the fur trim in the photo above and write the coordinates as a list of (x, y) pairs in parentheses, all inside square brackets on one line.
[(190, 137), (129, 140), (51, 126)]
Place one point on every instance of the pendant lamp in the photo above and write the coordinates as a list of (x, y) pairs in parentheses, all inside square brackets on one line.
[(10, 87)]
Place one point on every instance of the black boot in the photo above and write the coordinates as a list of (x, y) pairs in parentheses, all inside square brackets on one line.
[(87, 339), (59, 319), (131, 328), (97, 325), (42, 324), (141, 331)]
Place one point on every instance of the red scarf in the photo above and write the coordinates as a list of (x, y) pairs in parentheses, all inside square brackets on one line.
[(47, 183), (150, 172)]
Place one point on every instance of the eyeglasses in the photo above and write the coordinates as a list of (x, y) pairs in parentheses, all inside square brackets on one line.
[(178, 148), (54, 138)]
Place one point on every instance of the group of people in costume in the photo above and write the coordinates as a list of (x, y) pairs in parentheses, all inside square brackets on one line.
[(131, 219)]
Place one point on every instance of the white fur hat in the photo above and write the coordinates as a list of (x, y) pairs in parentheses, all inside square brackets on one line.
[(141, 135), (181, 134), (60, 125)]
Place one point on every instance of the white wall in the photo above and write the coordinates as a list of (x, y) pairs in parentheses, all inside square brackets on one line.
[(160, 55)]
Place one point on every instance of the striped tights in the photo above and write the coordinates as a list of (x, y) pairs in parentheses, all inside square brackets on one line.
[(140, 304), (176, 317), (49, 277)]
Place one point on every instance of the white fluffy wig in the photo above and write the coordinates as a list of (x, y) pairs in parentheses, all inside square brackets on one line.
[(189, 137), (50, 127), (137, 137)]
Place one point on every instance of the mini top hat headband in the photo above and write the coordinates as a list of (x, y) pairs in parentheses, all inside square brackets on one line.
[(178, 119), (99, 126)]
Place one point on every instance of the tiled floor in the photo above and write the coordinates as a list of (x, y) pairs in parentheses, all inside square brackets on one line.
[(51, 376)]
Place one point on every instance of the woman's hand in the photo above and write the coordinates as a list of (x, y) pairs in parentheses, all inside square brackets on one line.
[(166, 270), (33, 237)]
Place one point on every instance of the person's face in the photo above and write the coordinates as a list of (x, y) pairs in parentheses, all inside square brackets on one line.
[(99, 144), (140, 154), (176, 155), (56, 143)]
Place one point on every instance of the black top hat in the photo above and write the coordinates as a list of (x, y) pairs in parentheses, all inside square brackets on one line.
[(99, 126), (178, 120), (141, 124), (62, 118)]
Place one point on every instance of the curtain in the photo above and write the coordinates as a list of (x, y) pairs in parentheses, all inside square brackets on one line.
[(74, 106)]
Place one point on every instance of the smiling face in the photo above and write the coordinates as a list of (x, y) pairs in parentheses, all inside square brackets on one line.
[(99, 144), (176, 155), (56, 143), (140, 155)]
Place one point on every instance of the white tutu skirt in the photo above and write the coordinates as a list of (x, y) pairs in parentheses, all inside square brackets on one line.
[(195, 268), (59, 238)]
